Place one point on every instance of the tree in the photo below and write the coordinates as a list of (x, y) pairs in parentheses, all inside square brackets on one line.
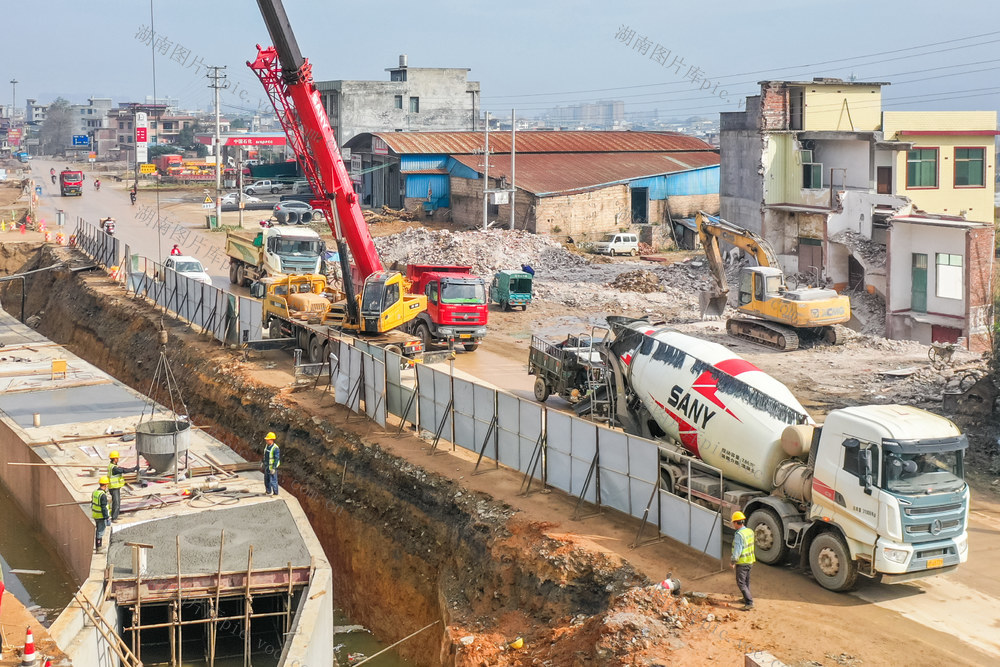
[(56, 134), (186, 138), (237, 124)]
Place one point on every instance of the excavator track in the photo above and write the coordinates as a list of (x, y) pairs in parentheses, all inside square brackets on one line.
[(765, 333)]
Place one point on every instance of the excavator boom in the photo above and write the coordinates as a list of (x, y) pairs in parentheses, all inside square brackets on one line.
[(712, 229)]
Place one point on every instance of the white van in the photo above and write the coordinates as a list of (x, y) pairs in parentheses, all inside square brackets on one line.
[(618, 244)]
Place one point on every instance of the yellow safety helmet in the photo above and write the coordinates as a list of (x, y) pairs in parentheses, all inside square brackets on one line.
[(517, 643), (114, 455), (271, 436), (104, 480), (738, 516)]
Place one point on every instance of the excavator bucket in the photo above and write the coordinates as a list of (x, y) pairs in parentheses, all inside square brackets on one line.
[(712, 303)]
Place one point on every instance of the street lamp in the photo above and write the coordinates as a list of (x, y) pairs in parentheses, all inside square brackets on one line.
[(13, 98)]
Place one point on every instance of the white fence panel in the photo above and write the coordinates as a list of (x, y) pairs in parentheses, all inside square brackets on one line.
[(374, 383), (465, 414), (558, 446), (584, 442), (706, 531), (508, 435), (531, 425), (400, 393), (434, 395)]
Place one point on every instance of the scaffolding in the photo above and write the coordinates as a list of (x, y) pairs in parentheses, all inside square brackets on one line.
[(211, 591)]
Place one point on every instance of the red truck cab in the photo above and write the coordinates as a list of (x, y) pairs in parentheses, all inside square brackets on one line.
[(456, 305), (70, 183)]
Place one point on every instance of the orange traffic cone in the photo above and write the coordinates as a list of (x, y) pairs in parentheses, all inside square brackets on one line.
[(48, 236), (28, 657)]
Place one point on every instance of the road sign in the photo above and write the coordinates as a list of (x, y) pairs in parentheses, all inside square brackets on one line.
[(147, 168), (81, 140), (93, 156), (208, 203)]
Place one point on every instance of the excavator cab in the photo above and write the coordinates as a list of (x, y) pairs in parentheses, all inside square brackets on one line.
[(385, 305)]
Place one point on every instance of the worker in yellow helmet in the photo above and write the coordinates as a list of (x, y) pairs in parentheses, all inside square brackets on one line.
[(743, 557), (99, 511), (116, 480), (269, 465)]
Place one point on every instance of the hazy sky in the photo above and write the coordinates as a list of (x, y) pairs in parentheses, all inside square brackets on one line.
[(527, 55)]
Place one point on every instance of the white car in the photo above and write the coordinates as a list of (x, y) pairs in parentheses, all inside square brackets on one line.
[(189, 267), (234, 198)]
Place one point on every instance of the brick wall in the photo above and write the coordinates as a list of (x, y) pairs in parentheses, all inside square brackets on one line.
[(687, 206), (774, 107), (979, 244), (585, 216)]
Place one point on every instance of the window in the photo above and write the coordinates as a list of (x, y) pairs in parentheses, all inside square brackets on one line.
[(921, 168), (414, 105), (970, 168), (949, 276), (398, 102), (851, 460), (812, 172)]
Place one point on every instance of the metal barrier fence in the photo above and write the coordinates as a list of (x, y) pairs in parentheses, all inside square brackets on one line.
[(596, 464), (230, 318)]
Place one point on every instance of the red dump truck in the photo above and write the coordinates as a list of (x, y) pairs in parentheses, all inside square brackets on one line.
[(456, 305), (70, 183)]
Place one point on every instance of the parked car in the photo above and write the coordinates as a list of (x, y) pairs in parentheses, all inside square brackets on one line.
[(234, 198), (301, 188), (618, 244), (274, 187), (292, 212), (188, 267)]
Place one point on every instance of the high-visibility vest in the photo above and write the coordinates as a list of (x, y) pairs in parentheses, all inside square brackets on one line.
[(115, 481), (747, 556), (96, 504), (271, 452)]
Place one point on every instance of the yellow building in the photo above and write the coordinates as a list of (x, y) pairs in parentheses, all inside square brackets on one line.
[(950, 168)]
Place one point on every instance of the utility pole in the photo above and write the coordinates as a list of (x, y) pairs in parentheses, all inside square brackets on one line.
[(239, 181), (13, 100), (486, 176), (215, 76), (513, 189)]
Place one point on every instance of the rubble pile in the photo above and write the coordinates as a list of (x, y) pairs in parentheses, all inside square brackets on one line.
[(639, 280), (387, 214), (872, 253), (869, 310), (486, 252)]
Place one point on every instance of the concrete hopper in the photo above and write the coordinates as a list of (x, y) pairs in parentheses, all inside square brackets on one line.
[(161, 441)]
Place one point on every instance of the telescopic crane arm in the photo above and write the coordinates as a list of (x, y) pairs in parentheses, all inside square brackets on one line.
[(287, 78)]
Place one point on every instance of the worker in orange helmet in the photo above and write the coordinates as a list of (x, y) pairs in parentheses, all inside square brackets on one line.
[(269, 465), (176, 250), (100, 512)]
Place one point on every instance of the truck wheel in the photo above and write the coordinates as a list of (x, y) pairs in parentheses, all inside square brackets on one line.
[(274, 328), (274, 191), (505, 306), (233, 276), (315, 350), (241, 277), (542, 390), (423, 332), (471, 347), (831, 564), (612, 252), (303, 341), (769, 538)]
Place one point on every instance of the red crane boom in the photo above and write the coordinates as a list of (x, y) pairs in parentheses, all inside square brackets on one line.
[(287, 78)]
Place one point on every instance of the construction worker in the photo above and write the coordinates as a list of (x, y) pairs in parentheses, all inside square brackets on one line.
[(116, 480), (272, 459), (743, 557), (99, 510)]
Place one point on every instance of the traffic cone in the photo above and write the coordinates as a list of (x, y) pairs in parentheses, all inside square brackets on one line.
[(48, 236), (24, 229), (28, 657)]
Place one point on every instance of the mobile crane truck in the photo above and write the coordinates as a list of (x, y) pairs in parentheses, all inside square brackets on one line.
[(876, 490), (384, 303)]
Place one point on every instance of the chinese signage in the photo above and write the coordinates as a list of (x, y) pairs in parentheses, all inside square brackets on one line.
[(141, 136), (379, 147), (147, 168)]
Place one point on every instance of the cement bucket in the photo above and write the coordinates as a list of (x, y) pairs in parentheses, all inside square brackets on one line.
[(160, 442)]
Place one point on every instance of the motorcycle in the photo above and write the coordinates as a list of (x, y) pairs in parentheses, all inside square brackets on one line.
[(132, 197), (97, 186), (109, 228)]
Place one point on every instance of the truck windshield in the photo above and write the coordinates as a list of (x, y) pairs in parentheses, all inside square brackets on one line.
[(298, 247), (463, 293), (909, 473)]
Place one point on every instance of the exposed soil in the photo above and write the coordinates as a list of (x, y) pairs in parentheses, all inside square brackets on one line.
[(431, 539)]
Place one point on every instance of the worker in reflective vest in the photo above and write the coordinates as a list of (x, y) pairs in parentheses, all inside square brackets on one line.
[(99, 511), (743, 557), (116, 479), (272, 459)]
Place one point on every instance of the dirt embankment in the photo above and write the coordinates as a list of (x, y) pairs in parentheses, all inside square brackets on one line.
[(407, 547)]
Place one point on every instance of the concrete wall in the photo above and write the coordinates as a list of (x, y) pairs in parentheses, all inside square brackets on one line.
[(741, 185), (979, 281), (585, 216), (69, 528), (447, 101), (842, 107), (852, 155)]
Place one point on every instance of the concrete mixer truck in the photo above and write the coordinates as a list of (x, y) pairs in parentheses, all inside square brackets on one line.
[(876, 491)]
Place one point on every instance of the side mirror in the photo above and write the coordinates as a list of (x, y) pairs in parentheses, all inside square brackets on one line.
[(851, 443), (865, 469), (257, 290)]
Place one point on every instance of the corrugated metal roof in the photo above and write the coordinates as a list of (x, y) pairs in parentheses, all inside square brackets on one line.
[(467, 143), (547, 174)]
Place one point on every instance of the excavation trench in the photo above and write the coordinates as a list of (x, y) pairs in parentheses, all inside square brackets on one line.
[(407, 546)]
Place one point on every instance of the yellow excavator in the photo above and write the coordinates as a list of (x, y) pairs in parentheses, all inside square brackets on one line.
[(777, 316)]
